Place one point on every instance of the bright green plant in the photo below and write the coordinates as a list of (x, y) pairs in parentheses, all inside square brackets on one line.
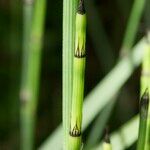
[(144, 128), (78, 78), (143, 120)]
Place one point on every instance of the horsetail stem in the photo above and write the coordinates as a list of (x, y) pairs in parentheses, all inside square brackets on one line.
[(78, 78), (144, 128), (146, 81), (106, 142), (143, 119)]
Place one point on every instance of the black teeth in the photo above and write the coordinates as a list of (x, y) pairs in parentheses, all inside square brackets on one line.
[(79, 53), (81, 8), (75, 132), (144, 104), (107, 138)]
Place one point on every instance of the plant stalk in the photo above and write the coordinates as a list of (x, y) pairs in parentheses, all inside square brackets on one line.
[(69, 10), (32, 45), (78, 78), (145, 82), (132, 26)]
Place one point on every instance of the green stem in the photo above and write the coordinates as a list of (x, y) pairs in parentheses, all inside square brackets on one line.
[(78, 79), (31, 70), (145, 83), (132, 26), (69, 11), (143, 120)]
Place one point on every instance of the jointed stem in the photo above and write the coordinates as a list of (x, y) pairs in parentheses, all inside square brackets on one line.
[(78, 79), (144, 128)]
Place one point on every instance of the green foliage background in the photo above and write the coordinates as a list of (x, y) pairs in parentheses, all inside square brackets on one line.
[(106, 17)]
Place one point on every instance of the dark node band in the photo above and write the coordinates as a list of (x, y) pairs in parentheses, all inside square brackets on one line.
[(80, 56), (107, 138), (81, 8), (144, 103), (75, 132), (145, 98), (80, 53)]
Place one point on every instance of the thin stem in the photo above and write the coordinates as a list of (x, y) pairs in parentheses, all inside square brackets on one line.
[(143, 120), (132, 26), (31, 71), (99, 37), (69, 11), (27, 22), (78, 78), (145, 83)]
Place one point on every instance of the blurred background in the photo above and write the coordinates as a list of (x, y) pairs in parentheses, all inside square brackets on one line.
[(107, 21)]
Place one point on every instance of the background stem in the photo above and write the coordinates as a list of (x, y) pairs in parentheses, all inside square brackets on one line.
[(31, 69), (132, 25)]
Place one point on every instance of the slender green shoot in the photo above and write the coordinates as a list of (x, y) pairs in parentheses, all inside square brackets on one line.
[(132, 26), (145, 82), (69, 11), (31, 74), (27, 22), (143, 120), (78, 78)]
